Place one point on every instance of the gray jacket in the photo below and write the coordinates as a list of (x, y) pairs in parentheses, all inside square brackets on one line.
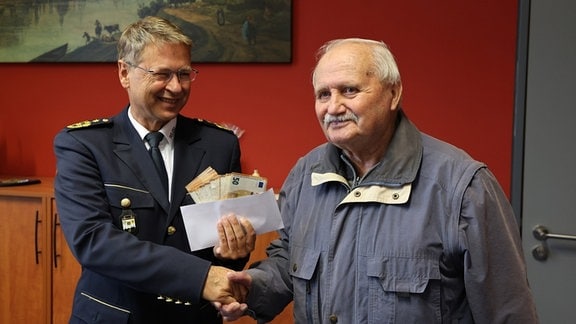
[(427, 236)]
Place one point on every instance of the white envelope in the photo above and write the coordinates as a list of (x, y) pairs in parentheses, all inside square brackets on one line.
[(200, 219)]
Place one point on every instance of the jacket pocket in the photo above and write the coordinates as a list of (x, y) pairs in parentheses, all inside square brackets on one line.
[(404, 289), (91, 309), (304, 262)]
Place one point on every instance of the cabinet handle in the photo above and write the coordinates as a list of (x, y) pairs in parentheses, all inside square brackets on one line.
[(55, 253), (37, 251)]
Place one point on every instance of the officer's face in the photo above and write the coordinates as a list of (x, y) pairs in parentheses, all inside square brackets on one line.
[(154, 100)]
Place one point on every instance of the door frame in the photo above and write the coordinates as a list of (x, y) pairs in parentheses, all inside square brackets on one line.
[(517, 181)]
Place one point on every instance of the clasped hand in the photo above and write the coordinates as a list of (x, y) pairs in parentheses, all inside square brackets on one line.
[(236, 238), (235, 309)]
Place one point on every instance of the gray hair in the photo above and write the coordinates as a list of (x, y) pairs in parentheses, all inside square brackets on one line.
[(385, 67), (147, 31)]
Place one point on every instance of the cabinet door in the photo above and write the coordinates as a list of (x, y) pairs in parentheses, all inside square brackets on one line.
[(65, 272), (23, 257)]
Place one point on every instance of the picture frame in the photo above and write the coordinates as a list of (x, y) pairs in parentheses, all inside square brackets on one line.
[(223, 31)]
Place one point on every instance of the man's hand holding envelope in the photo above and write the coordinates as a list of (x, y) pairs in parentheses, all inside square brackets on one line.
[(233, 193)]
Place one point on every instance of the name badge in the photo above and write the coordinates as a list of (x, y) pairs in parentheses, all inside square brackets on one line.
[(128, 217)]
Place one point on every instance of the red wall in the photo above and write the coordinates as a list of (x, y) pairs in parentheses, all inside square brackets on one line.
[(456, 58)]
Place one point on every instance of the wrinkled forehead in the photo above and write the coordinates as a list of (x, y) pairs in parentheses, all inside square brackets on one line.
[(344, 62), (165, 52)]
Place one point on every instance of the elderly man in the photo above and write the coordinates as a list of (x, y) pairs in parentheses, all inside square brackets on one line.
[(385, 224)]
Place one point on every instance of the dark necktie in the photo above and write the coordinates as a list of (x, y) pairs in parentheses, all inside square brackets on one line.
[(153, 139)]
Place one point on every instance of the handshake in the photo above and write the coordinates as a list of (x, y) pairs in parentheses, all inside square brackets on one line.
[(225, 288)]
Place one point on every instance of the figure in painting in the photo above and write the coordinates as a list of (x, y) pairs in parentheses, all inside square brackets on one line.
[(249, 30)]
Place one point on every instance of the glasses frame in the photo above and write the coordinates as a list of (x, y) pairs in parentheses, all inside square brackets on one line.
[(154, 74)]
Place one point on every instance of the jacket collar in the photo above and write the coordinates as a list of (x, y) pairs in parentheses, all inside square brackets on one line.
[(398, 167)]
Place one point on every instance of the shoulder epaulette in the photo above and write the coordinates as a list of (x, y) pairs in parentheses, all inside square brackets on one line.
[(89, 123), (216, 125)]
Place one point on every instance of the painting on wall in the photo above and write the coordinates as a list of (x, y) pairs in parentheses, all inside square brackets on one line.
[(87, 30)]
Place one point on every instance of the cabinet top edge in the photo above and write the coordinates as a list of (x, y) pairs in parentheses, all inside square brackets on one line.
[(44, 188)]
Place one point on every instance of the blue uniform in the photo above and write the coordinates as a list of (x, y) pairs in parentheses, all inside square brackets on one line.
[(127, 265)]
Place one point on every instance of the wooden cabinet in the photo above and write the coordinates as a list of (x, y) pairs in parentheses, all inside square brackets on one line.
[(23, 259), (37, 272)]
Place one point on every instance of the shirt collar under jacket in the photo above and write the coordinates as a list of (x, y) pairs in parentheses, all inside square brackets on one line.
[(399, 166), (167, 130)]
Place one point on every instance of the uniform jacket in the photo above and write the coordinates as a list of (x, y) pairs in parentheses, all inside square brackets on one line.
[(427, 236), (149, 276)]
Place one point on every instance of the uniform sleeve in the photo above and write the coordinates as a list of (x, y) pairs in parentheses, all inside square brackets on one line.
[(494, 268)]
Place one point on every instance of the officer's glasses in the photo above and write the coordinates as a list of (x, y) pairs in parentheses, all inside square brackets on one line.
[(183, 75)]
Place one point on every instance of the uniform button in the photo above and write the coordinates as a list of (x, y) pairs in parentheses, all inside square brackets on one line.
[(294, 267), (171, 230), (125, 203), (357, 194), (333, 319), (395, 196)]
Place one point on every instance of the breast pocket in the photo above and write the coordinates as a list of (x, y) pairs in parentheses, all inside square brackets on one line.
[(404, 290), (129, 207), (137, 198)]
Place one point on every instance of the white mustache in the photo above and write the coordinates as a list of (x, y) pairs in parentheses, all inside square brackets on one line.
[(339, 118)]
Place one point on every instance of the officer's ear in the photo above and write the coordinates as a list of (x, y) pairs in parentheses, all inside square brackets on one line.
[(123, 74)]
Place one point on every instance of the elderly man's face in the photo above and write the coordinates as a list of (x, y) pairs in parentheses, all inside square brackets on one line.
[(353, 107)]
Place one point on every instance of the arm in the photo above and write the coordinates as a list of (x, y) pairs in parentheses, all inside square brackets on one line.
[(494, 268)]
